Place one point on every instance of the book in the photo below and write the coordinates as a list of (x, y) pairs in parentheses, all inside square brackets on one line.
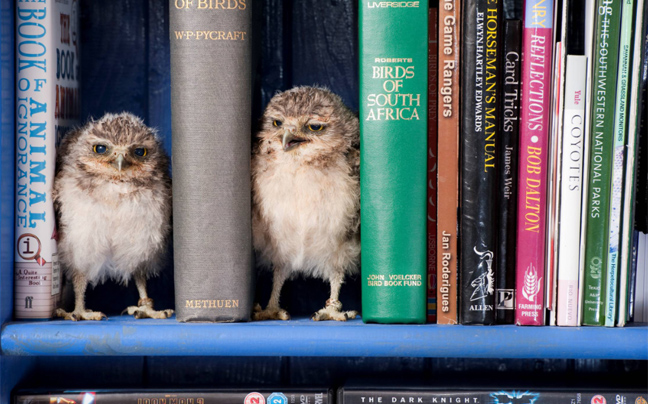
[(479, 136), (618, 158), (641, 287), (637, 105), (175, 396), (570, 157), (508, 149), (554, 162), (393, 161), (534, 132), (422, 395), (433, 135), (47, 106), (601, 143), (448, 161), (211, 105), (571, 190), (588, 49)]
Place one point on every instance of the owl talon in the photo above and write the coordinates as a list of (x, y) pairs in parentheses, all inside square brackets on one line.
[(332, 311), (80, 315), (145, 310), (270, 314)]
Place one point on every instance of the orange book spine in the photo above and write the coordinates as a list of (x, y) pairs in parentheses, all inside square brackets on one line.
[(448, 160)]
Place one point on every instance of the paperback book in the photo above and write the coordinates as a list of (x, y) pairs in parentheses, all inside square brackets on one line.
[(448, 161), (47, 105), (606, 49), (618, 160), (479, 131), (636, 106), (571, 191), (508, 149), (433, 135), (534, 133)]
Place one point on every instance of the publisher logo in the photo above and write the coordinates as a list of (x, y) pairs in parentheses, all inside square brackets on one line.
[(254, 398), (640, 400), (598, 400), (277, 398)]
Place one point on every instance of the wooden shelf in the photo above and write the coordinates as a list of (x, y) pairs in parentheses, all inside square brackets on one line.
[(125, 336)]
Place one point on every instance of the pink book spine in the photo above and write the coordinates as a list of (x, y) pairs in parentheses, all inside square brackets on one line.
[(535, 126)]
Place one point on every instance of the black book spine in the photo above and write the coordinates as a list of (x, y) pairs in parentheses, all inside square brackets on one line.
[(508, 171), (521, 396), (179, 396), (211, 87), (480, 105)]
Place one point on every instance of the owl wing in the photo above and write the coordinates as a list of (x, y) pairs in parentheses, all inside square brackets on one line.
[(353, 158)]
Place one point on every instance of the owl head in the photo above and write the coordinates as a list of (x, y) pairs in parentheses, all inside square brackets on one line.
[(117, 147), (307, 123)]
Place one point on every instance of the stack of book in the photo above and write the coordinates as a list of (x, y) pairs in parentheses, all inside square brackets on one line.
[(532, 128)]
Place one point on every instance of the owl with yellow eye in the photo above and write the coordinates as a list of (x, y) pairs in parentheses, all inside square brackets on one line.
[(112, 196), (306, 195)]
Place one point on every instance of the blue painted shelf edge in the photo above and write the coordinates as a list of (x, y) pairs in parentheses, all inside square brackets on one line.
[(125, 336)]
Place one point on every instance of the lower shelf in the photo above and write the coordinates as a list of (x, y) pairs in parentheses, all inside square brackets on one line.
[(125, 336)]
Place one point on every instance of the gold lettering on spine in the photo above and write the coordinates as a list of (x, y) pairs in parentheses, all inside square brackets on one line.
[(211, 304)]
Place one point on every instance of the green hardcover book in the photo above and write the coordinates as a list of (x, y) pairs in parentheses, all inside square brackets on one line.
[(606, 49), (393, 157)]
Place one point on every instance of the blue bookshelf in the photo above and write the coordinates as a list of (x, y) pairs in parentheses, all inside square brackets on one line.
[(124, 336), (125, 59)]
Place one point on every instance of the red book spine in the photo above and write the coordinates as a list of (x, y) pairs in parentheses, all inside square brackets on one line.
[(534, 151)]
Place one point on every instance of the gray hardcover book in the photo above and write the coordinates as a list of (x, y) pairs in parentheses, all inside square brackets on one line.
[(211, 122)]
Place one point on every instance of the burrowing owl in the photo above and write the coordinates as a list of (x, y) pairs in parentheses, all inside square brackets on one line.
[(112, 194), (306, 190)]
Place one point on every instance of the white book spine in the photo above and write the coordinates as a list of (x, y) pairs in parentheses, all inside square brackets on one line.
[(46, 103), (571, 190)]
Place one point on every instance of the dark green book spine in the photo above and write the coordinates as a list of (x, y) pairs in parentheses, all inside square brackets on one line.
[(480, 105), (606, 48), (393, 160)]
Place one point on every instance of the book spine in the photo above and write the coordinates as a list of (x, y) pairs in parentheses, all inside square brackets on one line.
[(629, 190), (508, 150), (554, 162), (436, 396), (481, 26), (210, 102), (177, 396), (393, 161), (641, 202), (571, 190), (448, 159), (46, 104), (534, 132), (588, 48), (618, 151), (606, 49), (433, 135)]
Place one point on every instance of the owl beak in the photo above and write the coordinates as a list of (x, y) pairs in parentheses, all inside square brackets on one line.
[(287, 137), (290, 141), (119, 163)]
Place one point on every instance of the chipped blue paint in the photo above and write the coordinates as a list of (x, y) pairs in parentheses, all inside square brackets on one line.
[(125, 336)]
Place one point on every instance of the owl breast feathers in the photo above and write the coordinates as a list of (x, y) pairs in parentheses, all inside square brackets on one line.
[(306, 185), (113, 197)]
